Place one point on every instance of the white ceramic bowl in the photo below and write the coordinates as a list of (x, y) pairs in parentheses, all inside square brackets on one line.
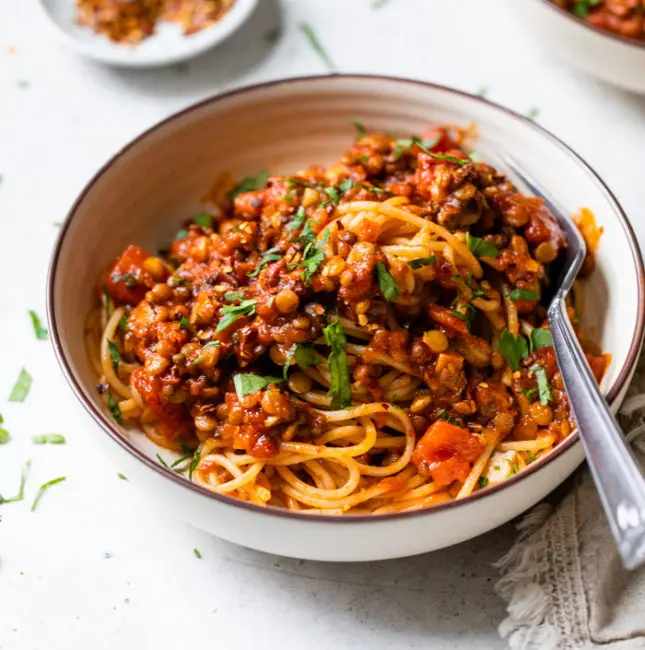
[(610, 57), (167, 46), (143, 194)]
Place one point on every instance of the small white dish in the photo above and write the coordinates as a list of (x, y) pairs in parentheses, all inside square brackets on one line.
[(166, 46), (610, 57)]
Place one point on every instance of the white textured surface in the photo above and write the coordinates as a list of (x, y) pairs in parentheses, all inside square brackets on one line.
[(60, 118)]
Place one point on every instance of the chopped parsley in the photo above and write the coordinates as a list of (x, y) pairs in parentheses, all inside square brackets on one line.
[(310, 35), (420, 262), (43, 488), (48, 439), (528, 391), (298, 220), (479, 248), (361, 131), (524, 294), (581, 7), (389, 288), (248, 383), (540, 338), (271, 255), (444, 415), (403, 144), (230, 313), (123, 477), (193, 464), (513, 349), (127, 278), (333, 194), (531, 456), (249, 184), (184, 323), (341, 387), (532, 113), (21, 387), (21, 492), (113, 349), (197, 554), (347, 185), (483, 481), (304, 356), (113, 405), (544, 390), (4, 436), (307, 235), (182, 234), (162, 461), (234, 295), (123, 323), (313, 256), (39, 330), (204, 220)]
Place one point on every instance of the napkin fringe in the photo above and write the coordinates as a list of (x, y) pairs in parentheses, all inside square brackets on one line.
[(522, 586)]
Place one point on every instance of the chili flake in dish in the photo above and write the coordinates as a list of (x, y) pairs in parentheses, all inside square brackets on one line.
[(131, 21)]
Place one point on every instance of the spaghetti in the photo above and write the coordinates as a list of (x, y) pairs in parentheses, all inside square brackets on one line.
[(367, 338)]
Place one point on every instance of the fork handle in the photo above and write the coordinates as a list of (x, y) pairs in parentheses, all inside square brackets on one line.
[(614, 469)]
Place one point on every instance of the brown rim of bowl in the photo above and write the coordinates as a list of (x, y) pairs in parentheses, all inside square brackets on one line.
[(106, 425), (602, 32)]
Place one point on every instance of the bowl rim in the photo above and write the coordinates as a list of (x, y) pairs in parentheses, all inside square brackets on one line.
[(601, 32), (121, 55), (101, 419)]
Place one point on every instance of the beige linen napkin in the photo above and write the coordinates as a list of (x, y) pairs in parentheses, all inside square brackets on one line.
[(563, 580)]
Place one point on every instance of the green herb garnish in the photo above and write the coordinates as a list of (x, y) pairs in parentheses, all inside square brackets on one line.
[(544, 390), (528, 391), (389, 288), (21, 492), (312, 257), (230, 313), (21, 387), (341, 387), (204, 220), (304, 356), (444, 415), (108, 303), (48, 439), (113, 349), (532, 113), (523, 294), (540, 338), (4, 436), (249, 184), (193, 464), (43, 488), (113, 405), (479, 248), (361, 131), (197, 554), (483, 481), (234, 295), (310, 35), (39, 330), (163, 462), (182, 234), (422, 261), (333, 194), (298, 220), (130, 281), (123, 477), (513, 349), (123, 323), (184, 323), (248, 383), (271, 255)]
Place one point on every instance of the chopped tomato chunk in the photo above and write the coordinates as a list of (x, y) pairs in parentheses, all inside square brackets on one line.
[(127, 280), (446, 451)]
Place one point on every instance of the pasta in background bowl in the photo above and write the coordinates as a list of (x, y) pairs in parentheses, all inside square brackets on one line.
[(143, 196)]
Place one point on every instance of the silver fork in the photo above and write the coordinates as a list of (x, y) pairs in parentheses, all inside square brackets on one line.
[(619, 481)]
